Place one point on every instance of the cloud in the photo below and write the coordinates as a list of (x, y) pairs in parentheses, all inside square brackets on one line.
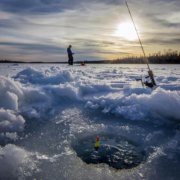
[(47, 6), (38, 48), (44, 28), (16, 6), (163, 41), (166, 23)]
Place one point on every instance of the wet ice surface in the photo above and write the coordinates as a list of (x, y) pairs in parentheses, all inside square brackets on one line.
[(47, 109)]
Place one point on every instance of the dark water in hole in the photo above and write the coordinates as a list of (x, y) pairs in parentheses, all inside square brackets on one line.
[(118, 152)]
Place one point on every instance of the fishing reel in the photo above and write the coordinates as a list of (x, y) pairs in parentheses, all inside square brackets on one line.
[(148, 80)]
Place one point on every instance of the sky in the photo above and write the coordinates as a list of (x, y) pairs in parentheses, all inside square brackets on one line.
[(41, 30)]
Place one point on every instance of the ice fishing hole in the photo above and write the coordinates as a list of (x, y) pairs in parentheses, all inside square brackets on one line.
[(116, 151)]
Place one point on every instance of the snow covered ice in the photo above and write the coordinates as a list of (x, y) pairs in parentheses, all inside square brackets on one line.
[(46, 108)]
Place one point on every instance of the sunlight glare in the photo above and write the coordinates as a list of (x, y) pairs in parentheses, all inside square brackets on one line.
[(126, 30)]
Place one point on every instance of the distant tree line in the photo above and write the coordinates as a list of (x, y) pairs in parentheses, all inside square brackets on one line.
[(169, 57)]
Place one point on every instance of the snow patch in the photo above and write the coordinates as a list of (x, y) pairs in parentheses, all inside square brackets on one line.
[(33, 76), (10, 92), (10, 121), (16, 162), (159, 103)]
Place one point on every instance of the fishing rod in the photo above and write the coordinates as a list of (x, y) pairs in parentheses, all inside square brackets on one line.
[(140, 42)]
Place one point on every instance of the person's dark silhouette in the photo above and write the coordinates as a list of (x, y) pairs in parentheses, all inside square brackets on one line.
[(70, 55)]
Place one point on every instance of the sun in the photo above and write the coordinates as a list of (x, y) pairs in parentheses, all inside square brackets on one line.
[(126, 30)]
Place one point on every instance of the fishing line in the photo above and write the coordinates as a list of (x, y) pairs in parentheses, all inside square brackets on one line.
[(140, 42)]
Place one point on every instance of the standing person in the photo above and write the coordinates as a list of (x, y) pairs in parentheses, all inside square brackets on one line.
[(70, 55)]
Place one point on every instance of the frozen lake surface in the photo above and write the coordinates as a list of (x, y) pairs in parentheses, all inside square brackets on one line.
[(50, 115)]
